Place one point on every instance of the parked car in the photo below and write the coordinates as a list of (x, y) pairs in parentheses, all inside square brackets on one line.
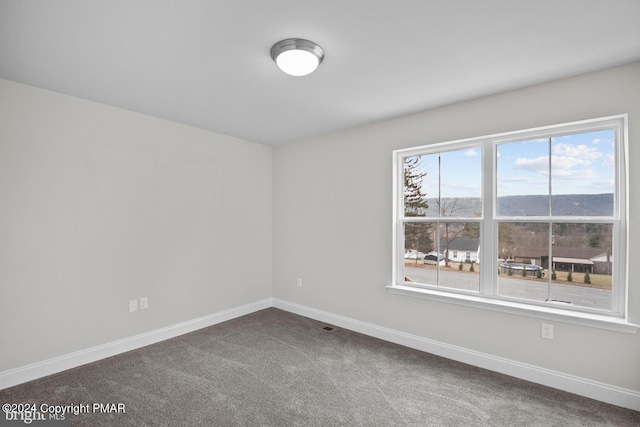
[(413, 255), (432, 259)]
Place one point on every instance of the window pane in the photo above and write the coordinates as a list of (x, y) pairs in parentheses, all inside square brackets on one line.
[(421, 183), (522, 258), (581, 268), (460, 182), (582, 174), (413, 186), (582, 265), (523, 178), (426, 262), (419, 240), (460, 247), (443, 184)]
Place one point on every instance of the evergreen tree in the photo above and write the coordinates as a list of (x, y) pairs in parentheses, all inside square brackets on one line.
[(594, 240), (415, 203), (417, 235), (472, 229)]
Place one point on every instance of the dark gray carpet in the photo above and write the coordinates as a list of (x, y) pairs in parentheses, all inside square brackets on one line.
[(274, 368)]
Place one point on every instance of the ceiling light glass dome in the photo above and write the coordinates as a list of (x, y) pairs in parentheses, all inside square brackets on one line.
[(297, 57)]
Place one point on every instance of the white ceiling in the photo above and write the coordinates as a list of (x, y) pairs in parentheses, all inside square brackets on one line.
[(206, 63)]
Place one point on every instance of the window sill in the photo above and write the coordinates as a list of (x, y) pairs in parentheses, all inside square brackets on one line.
[(545, 313)]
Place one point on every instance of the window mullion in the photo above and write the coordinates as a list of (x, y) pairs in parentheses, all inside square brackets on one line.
[(488, 234), (550, 231)]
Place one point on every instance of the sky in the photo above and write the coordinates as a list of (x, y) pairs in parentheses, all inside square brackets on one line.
[(460, 173), (580, 164)]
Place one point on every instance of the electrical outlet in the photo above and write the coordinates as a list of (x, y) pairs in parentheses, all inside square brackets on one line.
[(299, 282), (133, 305), (547, 331), (144, 303)]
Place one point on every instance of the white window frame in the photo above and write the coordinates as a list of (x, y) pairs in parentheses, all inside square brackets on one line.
[(487, 297)]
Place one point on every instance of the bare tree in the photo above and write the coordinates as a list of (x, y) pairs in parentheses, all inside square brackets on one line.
[(448, 207)]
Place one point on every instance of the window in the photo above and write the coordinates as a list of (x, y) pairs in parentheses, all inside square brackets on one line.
[(528, 220)]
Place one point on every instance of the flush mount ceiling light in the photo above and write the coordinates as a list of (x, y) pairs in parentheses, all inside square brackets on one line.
[(297, 57)]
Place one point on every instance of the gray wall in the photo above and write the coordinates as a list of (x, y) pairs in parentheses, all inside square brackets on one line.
[(99, 206), (332, 226)]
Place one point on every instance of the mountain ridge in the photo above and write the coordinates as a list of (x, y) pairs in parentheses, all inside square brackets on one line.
[(587, 205)]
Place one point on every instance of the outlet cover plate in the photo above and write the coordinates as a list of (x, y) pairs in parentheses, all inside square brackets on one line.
[(546, 331)]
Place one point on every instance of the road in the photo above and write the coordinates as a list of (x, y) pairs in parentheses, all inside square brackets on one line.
[(517, 288)]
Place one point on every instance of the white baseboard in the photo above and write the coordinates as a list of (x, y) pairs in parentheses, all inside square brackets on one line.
[(581, 386), (62, 363)]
